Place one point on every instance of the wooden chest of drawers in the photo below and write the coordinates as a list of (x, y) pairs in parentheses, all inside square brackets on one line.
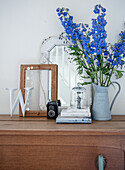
[(40, 144)]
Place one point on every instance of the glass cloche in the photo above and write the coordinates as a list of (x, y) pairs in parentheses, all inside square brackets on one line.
[(79, 97)]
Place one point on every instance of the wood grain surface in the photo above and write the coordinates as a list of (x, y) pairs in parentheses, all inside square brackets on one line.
[(41, 144)]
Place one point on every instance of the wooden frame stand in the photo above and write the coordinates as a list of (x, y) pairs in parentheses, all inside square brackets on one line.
[(54, 84)]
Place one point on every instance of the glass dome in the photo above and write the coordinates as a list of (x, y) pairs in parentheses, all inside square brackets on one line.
[(79, 97)]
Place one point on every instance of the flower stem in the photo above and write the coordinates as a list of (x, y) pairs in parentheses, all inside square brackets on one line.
[(110, 76)]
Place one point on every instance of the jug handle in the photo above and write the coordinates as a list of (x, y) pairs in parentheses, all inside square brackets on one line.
[(119, 89)]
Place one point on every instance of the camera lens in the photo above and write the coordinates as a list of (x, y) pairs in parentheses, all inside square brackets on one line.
[(51, 107), (51, 113)]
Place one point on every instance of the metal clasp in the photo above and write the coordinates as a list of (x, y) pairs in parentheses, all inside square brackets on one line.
[(100, 162)]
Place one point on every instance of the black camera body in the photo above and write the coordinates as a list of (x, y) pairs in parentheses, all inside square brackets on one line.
[(52, 110)]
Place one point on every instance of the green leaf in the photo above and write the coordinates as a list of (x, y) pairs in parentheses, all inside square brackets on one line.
[(92, 76), (84, 77), (106, 71), (72, 53), (94, 72), (75, 53), (97, 68), (86, 67), (79, 67), (89, 73), (75, 59), (80, 70), (120, 73), (75, 48), (86, 83)]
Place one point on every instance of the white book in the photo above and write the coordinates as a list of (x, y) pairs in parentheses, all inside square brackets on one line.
[(76, 112), (61, 119)]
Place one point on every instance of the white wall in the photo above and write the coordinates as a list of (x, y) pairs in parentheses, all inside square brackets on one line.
[(25, 23)]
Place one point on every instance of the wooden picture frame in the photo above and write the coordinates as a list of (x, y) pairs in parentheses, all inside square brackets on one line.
[(54, 84)]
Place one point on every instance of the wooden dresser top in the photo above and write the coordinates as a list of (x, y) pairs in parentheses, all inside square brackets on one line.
[(40, 126)]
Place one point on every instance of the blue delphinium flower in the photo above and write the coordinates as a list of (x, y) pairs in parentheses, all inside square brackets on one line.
[(103, 9), (98, 51), (94, 24), (96, 10), (94, 44), (104, 34), (95, 57), (65, 13), (85, 46), (103, 22), (57, 10), (102, 43), (96, 37), (90, 48), (106, 53), (100, 18), (59, 14), (73, 35), (73, 42), (68, 37), (98, 63), (110, 59), (100, 29), (115, 63), (89, 60)]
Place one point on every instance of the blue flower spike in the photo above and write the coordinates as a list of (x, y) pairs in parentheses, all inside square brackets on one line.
[(89, 47)]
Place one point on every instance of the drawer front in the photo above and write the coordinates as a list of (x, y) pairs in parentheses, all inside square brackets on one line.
[(58, 157)]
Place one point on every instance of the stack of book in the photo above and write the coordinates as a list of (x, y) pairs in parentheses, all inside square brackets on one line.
[(74, 116)]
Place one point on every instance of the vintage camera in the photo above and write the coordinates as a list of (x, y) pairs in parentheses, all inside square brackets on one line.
[(52, 109)]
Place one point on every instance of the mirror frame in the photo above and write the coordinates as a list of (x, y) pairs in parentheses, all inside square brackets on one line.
[(47, 45), (54, 85)]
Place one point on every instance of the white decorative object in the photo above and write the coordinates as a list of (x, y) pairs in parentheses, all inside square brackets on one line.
[(19, 98), (28, 68), (54, 51)]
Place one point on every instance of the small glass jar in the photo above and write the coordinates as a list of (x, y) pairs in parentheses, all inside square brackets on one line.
[(79, 97)]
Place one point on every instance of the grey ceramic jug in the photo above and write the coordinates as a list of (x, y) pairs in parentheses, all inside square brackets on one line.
[(100, 108)]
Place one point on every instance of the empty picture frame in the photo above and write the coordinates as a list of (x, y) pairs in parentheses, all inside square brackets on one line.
[(54, 83)]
